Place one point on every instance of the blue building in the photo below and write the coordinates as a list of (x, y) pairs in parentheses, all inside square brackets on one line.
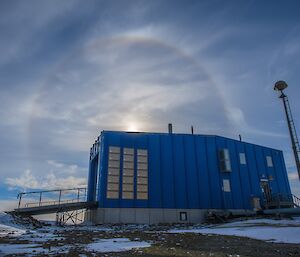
[(166, 177)]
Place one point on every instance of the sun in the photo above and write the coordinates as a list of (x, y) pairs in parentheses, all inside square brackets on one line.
[(132, 127)]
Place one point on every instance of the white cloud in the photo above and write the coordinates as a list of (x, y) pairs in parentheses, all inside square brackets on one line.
[(64, 168), (50, 181)]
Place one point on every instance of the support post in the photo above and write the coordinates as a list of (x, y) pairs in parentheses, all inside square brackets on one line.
[(59, 197), (20, 199), (40, 199), (170, 128), (291, 131)]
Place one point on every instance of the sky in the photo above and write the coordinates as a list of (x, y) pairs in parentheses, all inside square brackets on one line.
[(70, 69)]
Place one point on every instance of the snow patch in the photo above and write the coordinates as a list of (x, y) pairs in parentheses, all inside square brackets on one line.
[(10, 231), (30, 249), (21, 249), (8, 226), (7, 219), (277, 231), (39, 237), (115, 245)]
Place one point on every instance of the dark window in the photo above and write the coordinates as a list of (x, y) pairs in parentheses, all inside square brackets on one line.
[(224, 160), (183, 216)]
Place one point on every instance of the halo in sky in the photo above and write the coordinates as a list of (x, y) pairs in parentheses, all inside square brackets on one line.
[(113, 82)]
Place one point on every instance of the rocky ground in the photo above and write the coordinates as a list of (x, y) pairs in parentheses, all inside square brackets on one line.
[(150, 241)]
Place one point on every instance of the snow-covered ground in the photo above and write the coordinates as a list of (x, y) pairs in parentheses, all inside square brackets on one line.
[(115, 245), (51, 240), (9, 227), (277, 231), (35, 238), (10, 231), (100, 246)]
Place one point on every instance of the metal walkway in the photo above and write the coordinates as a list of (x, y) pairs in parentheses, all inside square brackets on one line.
[(53, 201), (55, 208)]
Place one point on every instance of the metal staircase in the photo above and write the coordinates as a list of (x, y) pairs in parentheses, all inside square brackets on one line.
[(278, 201)]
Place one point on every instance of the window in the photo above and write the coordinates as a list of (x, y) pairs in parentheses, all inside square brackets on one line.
[(114, 149), (142, 174), (113, 174), (131, 161), (114, 163), (226, 185), (243, 159), (183, 216), (224, 159), (128, 173), (269, 161)]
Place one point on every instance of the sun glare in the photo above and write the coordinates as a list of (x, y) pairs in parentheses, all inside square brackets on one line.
[(132, 127)]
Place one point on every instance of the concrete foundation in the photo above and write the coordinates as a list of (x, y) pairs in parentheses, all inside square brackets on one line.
[(144, 215)]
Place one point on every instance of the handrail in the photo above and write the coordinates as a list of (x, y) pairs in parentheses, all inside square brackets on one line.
[(278, 200), (35, 204), (296, 200), (81, 193), (52, 190)]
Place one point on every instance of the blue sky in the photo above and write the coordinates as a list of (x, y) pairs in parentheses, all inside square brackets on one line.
[(69, 69)]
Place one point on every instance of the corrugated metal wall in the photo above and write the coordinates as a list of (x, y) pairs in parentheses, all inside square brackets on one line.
[(184, 171)]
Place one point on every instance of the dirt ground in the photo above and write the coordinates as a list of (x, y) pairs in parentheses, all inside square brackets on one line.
[(162, 243)]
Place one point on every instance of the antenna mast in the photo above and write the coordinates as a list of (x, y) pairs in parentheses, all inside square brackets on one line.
[(280, 86)]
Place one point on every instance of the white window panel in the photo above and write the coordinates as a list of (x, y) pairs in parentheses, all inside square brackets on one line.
[(114, 149), (127, 151), (127, 195), (127, 180), (127, 187), (142, 188), (242, 158), (114, 164), (224, 154), (269, 161), (142, 173), (128, 172), (113, 179), (143, 181), (227, 165), (143, 159), (113, 171), (142, 196), (142, 152), (128, 165), (226, 185), (142, 166), (128, 158), (113, 186), (112, 194), (114, 156)]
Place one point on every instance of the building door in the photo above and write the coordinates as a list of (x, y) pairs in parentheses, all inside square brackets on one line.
[(266, 191), (227, 197)]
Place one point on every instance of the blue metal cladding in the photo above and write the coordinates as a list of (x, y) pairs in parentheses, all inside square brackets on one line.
[(92, 179), (243, 173), (184, 171)]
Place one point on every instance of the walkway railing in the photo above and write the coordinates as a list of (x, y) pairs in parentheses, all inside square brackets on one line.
[(296, 201), (282, 201), (52, 197)]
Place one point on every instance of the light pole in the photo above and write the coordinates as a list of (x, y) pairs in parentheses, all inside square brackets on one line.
[(280, 86)]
